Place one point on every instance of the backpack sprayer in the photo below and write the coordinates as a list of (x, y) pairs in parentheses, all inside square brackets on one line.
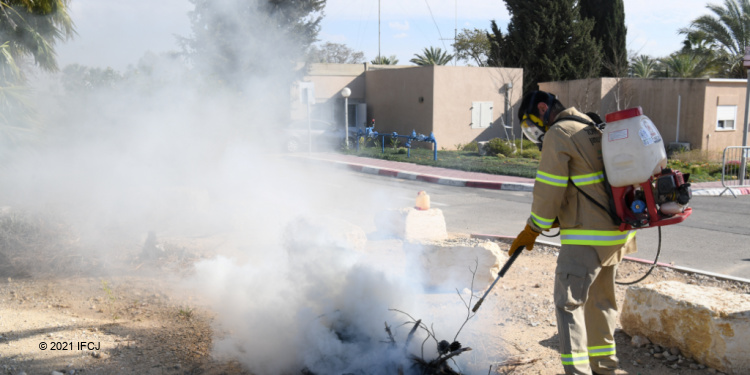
[(645, 193)]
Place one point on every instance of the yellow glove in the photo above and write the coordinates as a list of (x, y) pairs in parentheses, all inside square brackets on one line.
[(526, 238)]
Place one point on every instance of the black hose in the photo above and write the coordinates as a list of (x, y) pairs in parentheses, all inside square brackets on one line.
[(551, 236), (658, 250)]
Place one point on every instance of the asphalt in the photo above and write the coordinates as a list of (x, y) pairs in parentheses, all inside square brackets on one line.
[(453, 177), (459, 178)]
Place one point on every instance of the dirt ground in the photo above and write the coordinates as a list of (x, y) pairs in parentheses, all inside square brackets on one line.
[(138, 323)]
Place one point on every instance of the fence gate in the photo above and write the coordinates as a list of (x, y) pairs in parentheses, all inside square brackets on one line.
[(734, 172)]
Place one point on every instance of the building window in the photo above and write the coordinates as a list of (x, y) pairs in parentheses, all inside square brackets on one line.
[(726, 116)]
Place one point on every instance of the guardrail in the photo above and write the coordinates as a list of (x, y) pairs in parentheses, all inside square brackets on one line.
[(734, 173)]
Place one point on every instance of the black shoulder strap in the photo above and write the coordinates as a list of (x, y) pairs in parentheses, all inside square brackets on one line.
[(574, 118), (596, 120), (611, 211), (598, 123)]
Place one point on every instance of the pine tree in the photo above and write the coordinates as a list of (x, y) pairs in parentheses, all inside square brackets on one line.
[(549, 40), (610, 31)]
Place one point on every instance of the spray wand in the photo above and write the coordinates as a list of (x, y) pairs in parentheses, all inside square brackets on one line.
[(499, 275)]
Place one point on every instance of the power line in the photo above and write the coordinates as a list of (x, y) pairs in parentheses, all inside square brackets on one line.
[(436, 25)]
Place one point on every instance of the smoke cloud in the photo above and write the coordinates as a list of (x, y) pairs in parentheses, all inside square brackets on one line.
[(168, 152)]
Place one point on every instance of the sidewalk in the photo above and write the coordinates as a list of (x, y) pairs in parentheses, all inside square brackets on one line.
[(453, 177)]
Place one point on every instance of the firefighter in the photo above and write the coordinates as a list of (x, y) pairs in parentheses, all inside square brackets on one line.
[(569, 180)]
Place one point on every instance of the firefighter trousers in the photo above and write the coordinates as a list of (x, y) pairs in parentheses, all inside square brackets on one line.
[(586, 311)]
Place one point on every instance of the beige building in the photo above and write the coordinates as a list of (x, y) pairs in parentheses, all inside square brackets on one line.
[(458, 104), (706, 114)]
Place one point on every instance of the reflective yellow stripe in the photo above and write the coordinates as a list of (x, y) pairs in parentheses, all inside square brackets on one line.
[(588, 179), (604, 350), (574, 359), (542, 222), (595, 237), (551, 179)]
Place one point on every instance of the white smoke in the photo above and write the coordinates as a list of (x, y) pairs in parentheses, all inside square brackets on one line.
[(168, 153)]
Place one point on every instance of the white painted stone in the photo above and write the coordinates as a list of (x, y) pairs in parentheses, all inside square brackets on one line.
[(449, 264), (709, 324), (411, 224)]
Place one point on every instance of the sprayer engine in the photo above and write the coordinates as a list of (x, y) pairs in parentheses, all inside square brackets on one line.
[(662, 200)]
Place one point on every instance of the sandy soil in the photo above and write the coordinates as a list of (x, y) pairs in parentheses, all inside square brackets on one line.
[(139, 323)]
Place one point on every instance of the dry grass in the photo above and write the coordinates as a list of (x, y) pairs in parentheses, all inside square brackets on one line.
[(36, 245)]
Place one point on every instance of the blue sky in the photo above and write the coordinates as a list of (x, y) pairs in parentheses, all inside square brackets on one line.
[(116, 33)]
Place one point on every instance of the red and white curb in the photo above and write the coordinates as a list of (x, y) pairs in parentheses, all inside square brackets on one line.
[(631, 259), (494, 185), (515, 186)]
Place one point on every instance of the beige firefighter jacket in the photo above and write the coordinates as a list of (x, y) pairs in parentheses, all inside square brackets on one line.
[(572, 154)]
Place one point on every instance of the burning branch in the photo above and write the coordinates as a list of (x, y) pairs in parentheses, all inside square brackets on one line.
[(446, 351)]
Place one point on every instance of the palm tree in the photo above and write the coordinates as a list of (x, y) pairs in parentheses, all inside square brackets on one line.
[(728, 28), (643, 66), (687, 65), (32, 27), (27, 28), (382, 60), (432, 56)]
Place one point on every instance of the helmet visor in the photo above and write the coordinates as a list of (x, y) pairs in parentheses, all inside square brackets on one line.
[(533, 128)]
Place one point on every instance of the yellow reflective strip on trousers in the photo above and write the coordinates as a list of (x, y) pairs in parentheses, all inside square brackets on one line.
[(550, 179), (604, 350), (595, 237), (574, 359)]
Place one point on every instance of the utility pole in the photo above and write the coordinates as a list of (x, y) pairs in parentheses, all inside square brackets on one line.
[(455, 36), (379, 58)]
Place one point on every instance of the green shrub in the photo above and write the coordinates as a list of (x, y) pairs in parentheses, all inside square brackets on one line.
[(498, 146), (527, 144), (531, 153), (401, 150), (393, 142), (470, 147)]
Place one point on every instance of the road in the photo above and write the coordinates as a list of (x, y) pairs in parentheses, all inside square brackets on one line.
[(716, 238)]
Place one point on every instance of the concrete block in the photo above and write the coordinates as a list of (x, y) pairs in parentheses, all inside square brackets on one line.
[(448, 264), (411, 224), (711, 325)]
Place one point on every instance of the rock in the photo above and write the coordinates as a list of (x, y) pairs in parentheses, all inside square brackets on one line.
[(639, 341), (658, 355), (448, 264), (674, 351), (709, 325), (56, 373), (411, 224)]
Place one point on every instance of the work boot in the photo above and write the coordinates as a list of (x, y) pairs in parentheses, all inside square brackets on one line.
[(618, 371)]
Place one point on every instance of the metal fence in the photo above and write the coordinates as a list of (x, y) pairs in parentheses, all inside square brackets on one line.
[(734, 168)]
